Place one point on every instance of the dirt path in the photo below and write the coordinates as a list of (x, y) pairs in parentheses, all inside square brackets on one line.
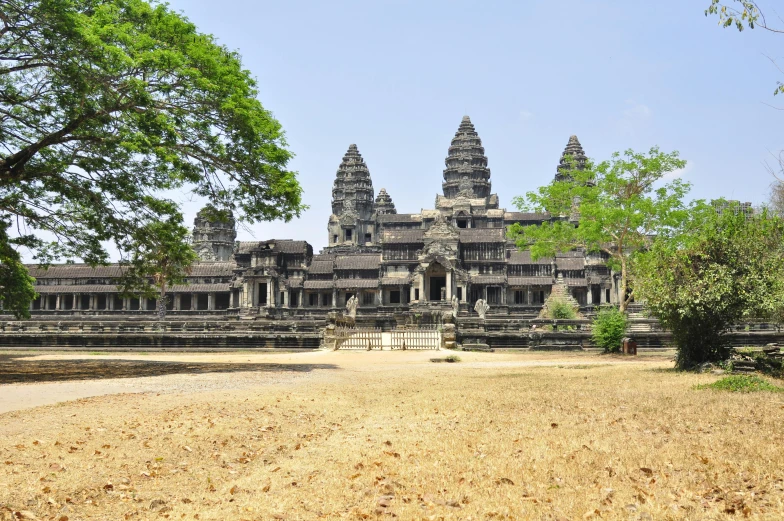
[(31, 381)]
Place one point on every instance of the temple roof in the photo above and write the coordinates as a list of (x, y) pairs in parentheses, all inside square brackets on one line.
[(477, 235), (574, 150), (527, 217), (517, 257), (85, 271), (281, 245), (402, 236), (570, 263), (358, 262), (400, 218)]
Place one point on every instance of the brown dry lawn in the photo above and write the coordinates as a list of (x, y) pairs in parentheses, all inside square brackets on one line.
[(393, 436)]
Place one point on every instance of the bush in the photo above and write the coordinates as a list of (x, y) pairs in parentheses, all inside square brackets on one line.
[(609, 328), (562, 310)]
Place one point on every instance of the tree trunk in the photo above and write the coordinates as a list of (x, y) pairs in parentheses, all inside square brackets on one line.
[(624, 300)]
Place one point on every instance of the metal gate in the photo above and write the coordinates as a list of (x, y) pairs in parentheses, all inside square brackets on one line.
[(361, 338), (419, 339), (369, 339)]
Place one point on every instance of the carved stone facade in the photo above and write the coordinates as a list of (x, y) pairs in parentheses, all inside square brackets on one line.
[(446, 258), (390, 261)]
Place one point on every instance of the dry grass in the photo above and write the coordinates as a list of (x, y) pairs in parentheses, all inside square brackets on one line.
[(613, 440)]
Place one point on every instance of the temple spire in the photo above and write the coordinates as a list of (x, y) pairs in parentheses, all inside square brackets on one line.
[(353, 187), (573, 150), (466, 170), (384, 204)]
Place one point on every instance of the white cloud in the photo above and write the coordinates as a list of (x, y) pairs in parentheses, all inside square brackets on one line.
[(634, 117), (636, 111)]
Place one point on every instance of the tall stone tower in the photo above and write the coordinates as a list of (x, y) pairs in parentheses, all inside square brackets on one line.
[(575, 150), (351, 222), (466, 170), (214, 233)]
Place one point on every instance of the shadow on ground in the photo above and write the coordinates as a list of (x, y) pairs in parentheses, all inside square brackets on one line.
[(16, 369)]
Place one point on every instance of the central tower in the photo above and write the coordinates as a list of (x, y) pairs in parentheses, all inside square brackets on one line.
[(466, 170)]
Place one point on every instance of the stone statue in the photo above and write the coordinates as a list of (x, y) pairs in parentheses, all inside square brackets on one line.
[(351, 306), (443, 293), (481, 307), (455, 306)]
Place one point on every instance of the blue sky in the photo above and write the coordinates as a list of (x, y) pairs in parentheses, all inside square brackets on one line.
[(395, 77)]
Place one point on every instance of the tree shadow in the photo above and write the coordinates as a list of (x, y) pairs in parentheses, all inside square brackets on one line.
[(19, 369)]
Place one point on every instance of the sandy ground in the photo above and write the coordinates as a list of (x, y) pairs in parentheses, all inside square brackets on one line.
[(381, 435), (199, 371)]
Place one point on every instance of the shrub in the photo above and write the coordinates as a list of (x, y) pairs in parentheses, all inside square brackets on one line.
[(609, 328), (562, 310)]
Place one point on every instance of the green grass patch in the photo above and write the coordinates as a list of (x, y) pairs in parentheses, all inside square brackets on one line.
[(742, 383)]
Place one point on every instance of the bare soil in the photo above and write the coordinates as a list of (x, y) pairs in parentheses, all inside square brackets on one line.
[(345, 435)]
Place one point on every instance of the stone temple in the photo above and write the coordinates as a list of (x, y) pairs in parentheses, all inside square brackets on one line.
[(391, 262)]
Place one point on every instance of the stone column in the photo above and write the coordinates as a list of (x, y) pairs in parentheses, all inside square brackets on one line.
[(177, 302), (504, 291), (528, 296), (211, 301), (334, 297), (484, 293), (108, 303), (75, 304), (448, 286), (194, 301), (411, 293), (301, 292), (602, 293), (270, 294), (589, 295), (57, 302), (422, 288)]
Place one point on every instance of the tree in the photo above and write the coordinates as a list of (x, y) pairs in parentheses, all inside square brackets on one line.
[(165, 260), (725, 266), (611, 207), (104, 104)]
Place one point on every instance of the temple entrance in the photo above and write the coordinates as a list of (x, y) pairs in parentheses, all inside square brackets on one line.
[(436, 285), (436, 282)]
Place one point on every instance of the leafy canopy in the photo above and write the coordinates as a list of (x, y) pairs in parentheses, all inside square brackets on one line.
[(724, 267), (613, 207), (104, 104)]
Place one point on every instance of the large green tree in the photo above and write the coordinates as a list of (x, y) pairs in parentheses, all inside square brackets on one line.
[(106, 104), (164, 258), (614, 206), (725, 266)]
